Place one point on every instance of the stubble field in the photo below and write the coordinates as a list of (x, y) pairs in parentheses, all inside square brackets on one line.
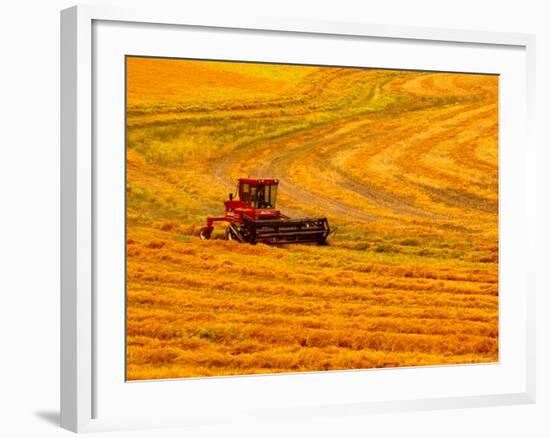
[(403, 164)]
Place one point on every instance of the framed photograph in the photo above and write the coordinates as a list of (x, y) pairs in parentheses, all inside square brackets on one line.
[(285, 218)]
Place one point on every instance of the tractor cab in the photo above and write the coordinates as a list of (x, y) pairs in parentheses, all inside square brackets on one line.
[(256, 199), (258, 193)]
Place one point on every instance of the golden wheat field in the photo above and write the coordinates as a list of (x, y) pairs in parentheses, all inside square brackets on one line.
[(404, 165)]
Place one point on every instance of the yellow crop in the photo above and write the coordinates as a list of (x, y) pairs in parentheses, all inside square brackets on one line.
[(403, 164)]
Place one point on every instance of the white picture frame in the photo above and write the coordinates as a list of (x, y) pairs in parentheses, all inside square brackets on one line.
[(83, 380)]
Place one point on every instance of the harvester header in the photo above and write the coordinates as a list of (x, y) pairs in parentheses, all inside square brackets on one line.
[(253, 218)]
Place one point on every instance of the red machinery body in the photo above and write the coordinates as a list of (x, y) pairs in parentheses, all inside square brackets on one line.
[(253, 217)]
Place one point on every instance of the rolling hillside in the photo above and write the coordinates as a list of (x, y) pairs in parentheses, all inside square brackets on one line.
[(403, 164)]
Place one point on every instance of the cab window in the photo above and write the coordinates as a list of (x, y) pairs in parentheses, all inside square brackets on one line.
[(245, 193), (272, 195), (253, 200)]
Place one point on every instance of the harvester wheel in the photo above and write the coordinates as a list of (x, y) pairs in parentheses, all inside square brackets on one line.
[(205, 233), (232, 234)]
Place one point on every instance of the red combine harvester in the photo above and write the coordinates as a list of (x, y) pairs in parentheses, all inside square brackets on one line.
[(253, 218)]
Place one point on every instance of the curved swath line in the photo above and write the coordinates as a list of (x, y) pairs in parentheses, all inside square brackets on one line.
[(310, 90), (397, 127), (486, 98), (465, 157), (295, 106), (350, 180), (461, 199), (391, 201), (405, 127), (214, 116), (430, 81), (465, 151), (281, 165), (414, 164)]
